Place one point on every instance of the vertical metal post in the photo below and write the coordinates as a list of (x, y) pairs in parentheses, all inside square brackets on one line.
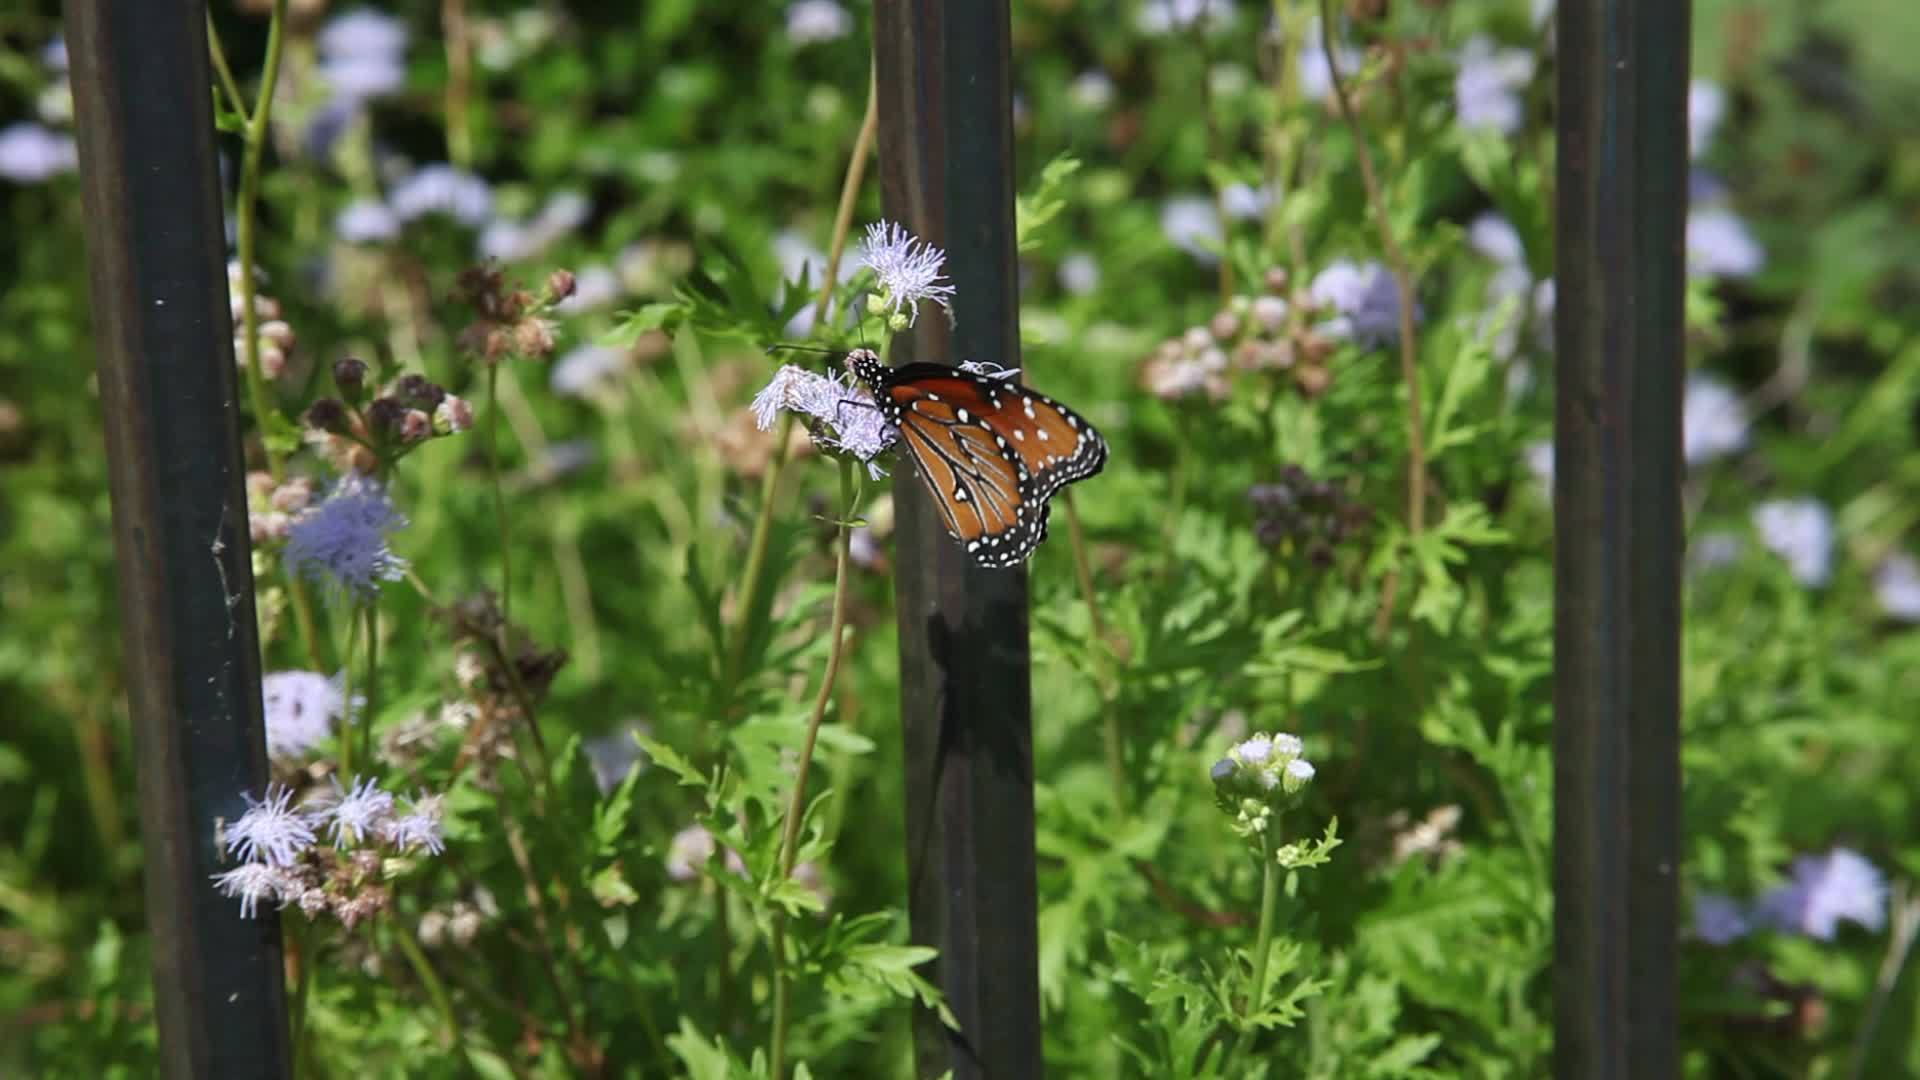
[(946, 172), (157, 255), (1620, 263)]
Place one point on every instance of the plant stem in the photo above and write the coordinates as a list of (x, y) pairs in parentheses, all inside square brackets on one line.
[(373, 681), (499, 495), (228, 85), (796, 807), (436, 990), (453, 23), (1103, 647), (750, 581), (1269, 898), (346, 695), (255, 140), (1403, 280)]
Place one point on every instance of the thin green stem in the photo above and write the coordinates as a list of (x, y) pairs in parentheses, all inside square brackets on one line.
[(302, 953), (373, 681), (303, 622), (750, 581), (796, 807), (245, 214), (1110, 661), (346, 694), (499, 494), (1263, 935), (228, 85), (436, 989)]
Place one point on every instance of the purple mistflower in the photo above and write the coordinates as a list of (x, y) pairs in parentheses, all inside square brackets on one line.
[(271, 831), (810, 21), (1492, 235), (342, 543), (359, 813), (1713, 421), (32, 154), (1801, 532), (1896, 584), (613, 756), (443, 189), (1079, 273), (1719, 244), (1192, 224), (1365, 299), (301, 708), (1486, 88), (1826, 889), (1714, 550), (363, 55), (1166, 16), (420, 827), (1706, 107), (1244, 202), (585, 368), (844, 416), (1539, 461), (1719, 919), (366, 221), (909, 270), (1091, 90), (253, 882)]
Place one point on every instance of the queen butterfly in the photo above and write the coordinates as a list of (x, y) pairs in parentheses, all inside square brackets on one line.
[(992, 452)]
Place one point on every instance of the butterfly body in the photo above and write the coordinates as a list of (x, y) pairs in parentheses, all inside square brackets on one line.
[(992, 452)]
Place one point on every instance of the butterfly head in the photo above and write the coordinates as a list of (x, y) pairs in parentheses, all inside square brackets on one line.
[(866, 366)]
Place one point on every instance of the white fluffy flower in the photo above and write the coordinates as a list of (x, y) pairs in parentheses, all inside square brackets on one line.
[(443, 189), (585, 368), (809, 21), (844, 416), (366, 221), (1826, 890), (301, 708), (1719, 244), (271, 831), (362, 812), (31, 154), (1192, 224), (1713, 421), (1896, 584), (909, 270)]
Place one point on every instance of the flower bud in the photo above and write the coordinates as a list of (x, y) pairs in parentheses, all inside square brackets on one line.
[(415, 426), (350, 376), (418, 391), (453, 416), (328, 415), (1296, 776), (384, 417), (560, 285), (1275, 279), (898, 321), (1225, 326)]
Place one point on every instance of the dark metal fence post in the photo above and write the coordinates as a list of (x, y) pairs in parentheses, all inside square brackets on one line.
[(946, 172), (155, 242), (1621, 271)]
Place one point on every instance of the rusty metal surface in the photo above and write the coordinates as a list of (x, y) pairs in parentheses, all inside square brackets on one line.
[(157, 260), (1620, 267), (946, 172)]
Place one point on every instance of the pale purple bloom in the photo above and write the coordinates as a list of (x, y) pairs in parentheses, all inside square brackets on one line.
[(689, 852), (1192, 224), (1297, 774), (54, 55), (1495, 237), (1542, 11), (1365, 299), (585, 368), (301, 708), (363, 31), (909, 270), (342, 543), (1896, 584), (514, 241), (1539, 461), (1255, 751), (1166, 16), (443, 189), (327, 124), (366, 221), (1801, 532), (1718, 919), (32, 154), (1244, 202), (1486, 88), (1316, 78), (1713, 551), (271, 831), (420, 827), (1719, 244), (1824, 891), (594, 287), (614, 756), (1079, 273), (363, 55), (359, 813), (253, 882), (1091, 90), (1713, 421), (1704, 187), (844, 416), (809, 21), (1706, 106)]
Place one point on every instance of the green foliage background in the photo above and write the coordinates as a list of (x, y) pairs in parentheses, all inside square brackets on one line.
[(702, 130)]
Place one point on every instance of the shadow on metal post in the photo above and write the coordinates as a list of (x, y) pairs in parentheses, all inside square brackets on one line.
[(157, 258), (946, 172), (1620, 265)]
